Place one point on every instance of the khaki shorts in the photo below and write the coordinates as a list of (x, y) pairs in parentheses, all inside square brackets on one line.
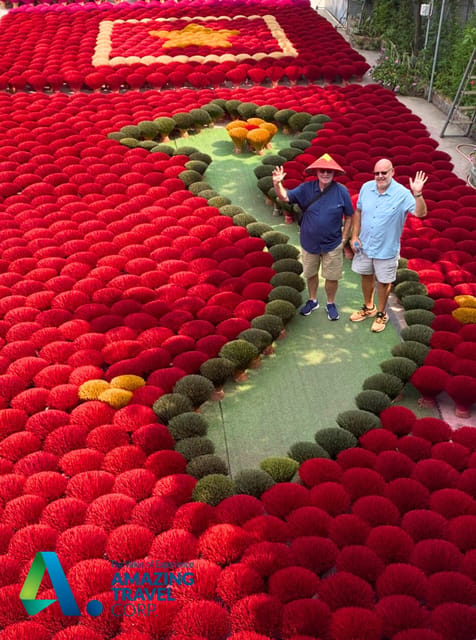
[(332, 263), (385, 270)]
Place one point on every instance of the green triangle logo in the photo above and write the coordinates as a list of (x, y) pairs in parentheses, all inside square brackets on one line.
[(47, 561)]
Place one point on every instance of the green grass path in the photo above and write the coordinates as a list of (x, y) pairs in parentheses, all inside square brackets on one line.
[(317, 369)]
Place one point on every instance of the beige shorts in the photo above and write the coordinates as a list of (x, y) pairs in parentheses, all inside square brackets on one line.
[(385, 270), (332, 263)]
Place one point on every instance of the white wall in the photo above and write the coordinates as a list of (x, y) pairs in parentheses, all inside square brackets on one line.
[(338, 8)]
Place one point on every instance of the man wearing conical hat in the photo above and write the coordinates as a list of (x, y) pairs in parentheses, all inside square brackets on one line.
[(324, 204)]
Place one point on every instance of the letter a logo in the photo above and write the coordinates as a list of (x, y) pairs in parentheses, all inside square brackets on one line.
[(47, 561)]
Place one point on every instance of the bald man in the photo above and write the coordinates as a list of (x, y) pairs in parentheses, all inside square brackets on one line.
[(382, 207)]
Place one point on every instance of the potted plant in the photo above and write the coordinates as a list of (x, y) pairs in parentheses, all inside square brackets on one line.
[(241, 353)]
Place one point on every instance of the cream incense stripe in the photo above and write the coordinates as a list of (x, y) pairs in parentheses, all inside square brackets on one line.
[(103, 46)]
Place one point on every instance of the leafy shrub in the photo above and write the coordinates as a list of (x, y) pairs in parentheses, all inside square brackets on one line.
[(170, 405), (409, 288), (201, 157), (240, 352), (266, 112), (274, 237), (184, 150), (247, 110), (217, 370), (183, 121), (299, 120), (288, 279), (129, 142), (197, 388), (400, 367), (306, 135), (302, 451), (205, 465), (219, 201), (384, 382), (404, 275), (320, 117), (455, 55), (256, 229), (417, 332), (281, 308), (264, 184), (214, 111), (243, 220), (187, 425), (257, 337), (198, 187), (419, 316), (196, 165), (418, 302), (148, 129), (231, 210), (253, 482), (416, 351), (282, 116), (281, 469), (313, 126), (131, 131), (163, 148), (194, 446), (231, 107), (263, 170), (165, 125), (334, 440), (270, 323), (189, 177), (116, 135), (286, 293), (213, 488), (358, 421), (274, 160), (300, 144), (221, 102), (401, 71), (208, 194), (372, 400), (290, 153), (201, 117), (281, 251), (287, 264)]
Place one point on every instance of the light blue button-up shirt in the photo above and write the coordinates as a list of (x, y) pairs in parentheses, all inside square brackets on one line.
[(382, 218)]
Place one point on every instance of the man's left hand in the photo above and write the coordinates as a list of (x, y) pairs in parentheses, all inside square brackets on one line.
[(418, 182)]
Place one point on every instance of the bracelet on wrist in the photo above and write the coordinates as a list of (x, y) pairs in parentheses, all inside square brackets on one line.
[(417, 195)]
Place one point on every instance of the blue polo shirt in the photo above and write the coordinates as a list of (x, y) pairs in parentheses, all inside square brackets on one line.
[(382, 218), (321, 224)]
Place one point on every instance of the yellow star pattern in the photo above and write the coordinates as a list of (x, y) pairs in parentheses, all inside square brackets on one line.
[(194, 34)]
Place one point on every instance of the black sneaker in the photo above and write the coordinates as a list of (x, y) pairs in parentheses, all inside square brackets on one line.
[(332, 312), (309, 307)]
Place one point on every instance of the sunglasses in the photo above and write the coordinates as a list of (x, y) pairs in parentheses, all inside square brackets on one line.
[(382, 173), (326, 170)]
